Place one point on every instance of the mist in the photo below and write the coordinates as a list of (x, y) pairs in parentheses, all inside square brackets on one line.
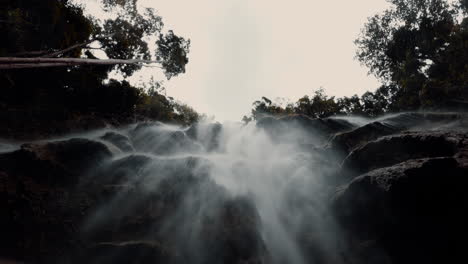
[(277, 190), (271, 183), (260, 190)]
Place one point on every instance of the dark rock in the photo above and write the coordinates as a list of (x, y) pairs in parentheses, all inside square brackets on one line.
[(39, 211), (421, 120), (136, 192), (347, 141), (57, 162), (206, 133), (38, 222), (326, 126), (163, 141), (74, 155), (306, 130), (394, 149), (145, 125), (234, 236), (414, 211), (121, 170), (137, 252), (120, 141), (393, 124)]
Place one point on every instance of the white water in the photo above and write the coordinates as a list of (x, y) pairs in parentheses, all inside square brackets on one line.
[(187, 176), (283, 177)]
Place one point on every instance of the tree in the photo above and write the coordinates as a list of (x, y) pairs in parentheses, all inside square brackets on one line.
[(402, 38), (350, 105), (265, 107), (464, 5), (412, 47), (59, 60), (319, 106), (122, 39)]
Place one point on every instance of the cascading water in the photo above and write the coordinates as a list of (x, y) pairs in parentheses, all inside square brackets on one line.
[(289, 190), (233, 192), (266, 189)]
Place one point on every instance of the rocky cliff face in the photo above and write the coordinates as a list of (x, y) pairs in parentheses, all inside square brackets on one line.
[(391, 191)]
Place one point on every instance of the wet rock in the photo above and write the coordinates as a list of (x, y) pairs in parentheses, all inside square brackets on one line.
[(120, 171), (57, 162), (390, 125), (162, 140), (120, 141), (303, 129), (38, 222), (394, 149), (233, 235), (136, 192), (414, 211), (326, 126), (206, 133), (349, 140), (137, 168), (145, 125), (421, 120), (128, 252)]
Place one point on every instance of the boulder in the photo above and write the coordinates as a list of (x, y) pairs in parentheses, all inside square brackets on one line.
[(38, 222), (303, 129), (39, 210), (128, 252), (121, 170), (161, 140), (143, 126), (56, 162), (137, 192), (421, 120), (324, 126), (233, 233), (414, 211), (208, 134), (393, 124), (120, 141), (348, 141), (390, 150)]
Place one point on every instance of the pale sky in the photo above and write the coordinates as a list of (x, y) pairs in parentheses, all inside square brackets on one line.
[(245, 49)]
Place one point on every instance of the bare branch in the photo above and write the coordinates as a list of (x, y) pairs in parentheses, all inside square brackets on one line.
[(60, 52), (22, 63), (31, 53), (28, 66)]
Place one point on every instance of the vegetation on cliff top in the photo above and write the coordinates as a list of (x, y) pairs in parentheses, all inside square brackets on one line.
[(58, 63), (417, 48)]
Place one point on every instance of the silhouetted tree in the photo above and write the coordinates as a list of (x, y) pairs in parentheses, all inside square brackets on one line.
[(122, 39), (81, 52), (411, 46)]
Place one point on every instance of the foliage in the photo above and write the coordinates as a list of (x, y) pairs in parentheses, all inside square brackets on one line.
[(266, 107), (419, 47), (156, 106), (59, 28), (172, 53), (320, 105)]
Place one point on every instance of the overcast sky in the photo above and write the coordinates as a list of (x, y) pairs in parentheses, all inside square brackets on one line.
[(245, 49)]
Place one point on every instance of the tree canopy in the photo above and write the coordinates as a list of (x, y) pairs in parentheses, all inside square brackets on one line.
[(57, 60), (65, 32), (417, 48)]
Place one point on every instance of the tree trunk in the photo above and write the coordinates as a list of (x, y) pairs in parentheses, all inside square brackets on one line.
[(23, 63)]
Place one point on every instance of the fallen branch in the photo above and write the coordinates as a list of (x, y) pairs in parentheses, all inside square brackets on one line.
[(23, 63)]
